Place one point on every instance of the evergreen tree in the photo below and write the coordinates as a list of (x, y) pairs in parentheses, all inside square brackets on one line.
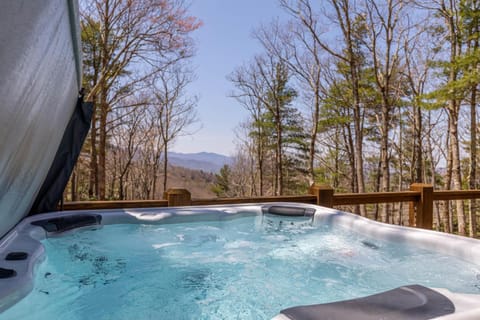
[(222, 182)]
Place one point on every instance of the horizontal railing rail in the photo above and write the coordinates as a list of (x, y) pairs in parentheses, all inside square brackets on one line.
[(113, 204), (420, 197), (380, 197), (297, 199), (442, 195)]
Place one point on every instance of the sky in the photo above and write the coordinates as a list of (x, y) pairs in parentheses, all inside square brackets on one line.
[(224, 42)]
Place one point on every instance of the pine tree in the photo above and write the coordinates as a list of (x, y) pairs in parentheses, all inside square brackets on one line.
[(222, 182)]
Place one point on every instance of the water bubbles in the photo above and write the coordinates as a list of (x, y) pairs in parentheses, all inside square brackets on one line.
[(247, 268), (477, 284)]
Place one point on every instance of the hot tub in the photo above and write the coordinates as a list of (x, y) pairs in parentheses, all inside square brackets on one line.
[(234, 262), (283, 261)]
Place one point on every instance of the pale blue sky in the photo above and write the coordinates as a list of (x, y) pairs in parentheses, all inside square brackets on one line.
[(224, 42)]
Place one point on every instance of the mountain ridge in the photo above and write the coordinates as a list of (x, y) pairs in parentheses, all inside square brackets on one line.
[(205, 161)]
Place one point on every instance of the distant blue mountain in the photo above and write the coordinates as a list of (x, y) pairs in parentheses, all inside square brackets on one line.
[(206, 161)]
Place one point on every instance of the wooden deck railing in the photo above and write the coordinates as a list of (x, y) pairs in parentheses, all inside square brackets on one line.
[(115, 204), (420, 197)]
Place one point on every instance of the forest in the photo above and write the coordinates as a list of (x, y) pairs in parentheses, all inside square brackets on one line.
[(362, 95)]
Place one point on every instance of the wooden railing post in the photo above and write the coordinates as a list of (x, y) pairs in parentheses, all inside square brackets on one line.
[(421, 212), (178, 197), (324, 194)]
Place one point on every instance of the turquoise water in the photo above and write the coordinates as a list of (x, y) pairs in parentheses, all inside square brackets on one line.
[(246, 268)]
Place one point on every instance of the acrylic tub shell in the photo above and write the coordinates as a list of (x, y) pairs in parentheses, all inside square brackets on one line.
[(26, 238)]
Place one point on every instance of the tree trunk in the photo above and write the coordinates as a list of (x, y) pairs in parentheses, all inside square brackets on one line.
[(121, 188), (348, 140), (473, 47), (313, 137), (336, 182), (456, 171), (377, 189), (260, 172), (165, 166), (260, 159), (417, 146), (103, 104), (113, 178), (473, 161), (357, 109), (93, 181), (453, 114), (384, 161), (358, 128), (400, 168), (154, 182), (102, 147), (279, 156), (448, 216), (443, 216), (252, 168)]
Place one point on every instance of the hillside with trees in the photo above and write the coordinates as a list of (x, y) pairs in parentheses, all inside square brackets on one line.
[(366, 96)]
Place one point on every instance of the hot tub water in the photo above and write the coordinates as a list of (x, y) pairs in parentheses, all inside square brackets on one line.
[(245, 268)]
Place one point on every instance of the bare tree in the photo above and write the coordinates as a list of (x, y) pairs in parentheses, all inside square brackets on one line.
[(295, 44), (248, 95), (127, 34), (417, 51), (383, 21), (151, 154), (174, 109), (449, 95), (127, 140), (264, 82), (348, 53)]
